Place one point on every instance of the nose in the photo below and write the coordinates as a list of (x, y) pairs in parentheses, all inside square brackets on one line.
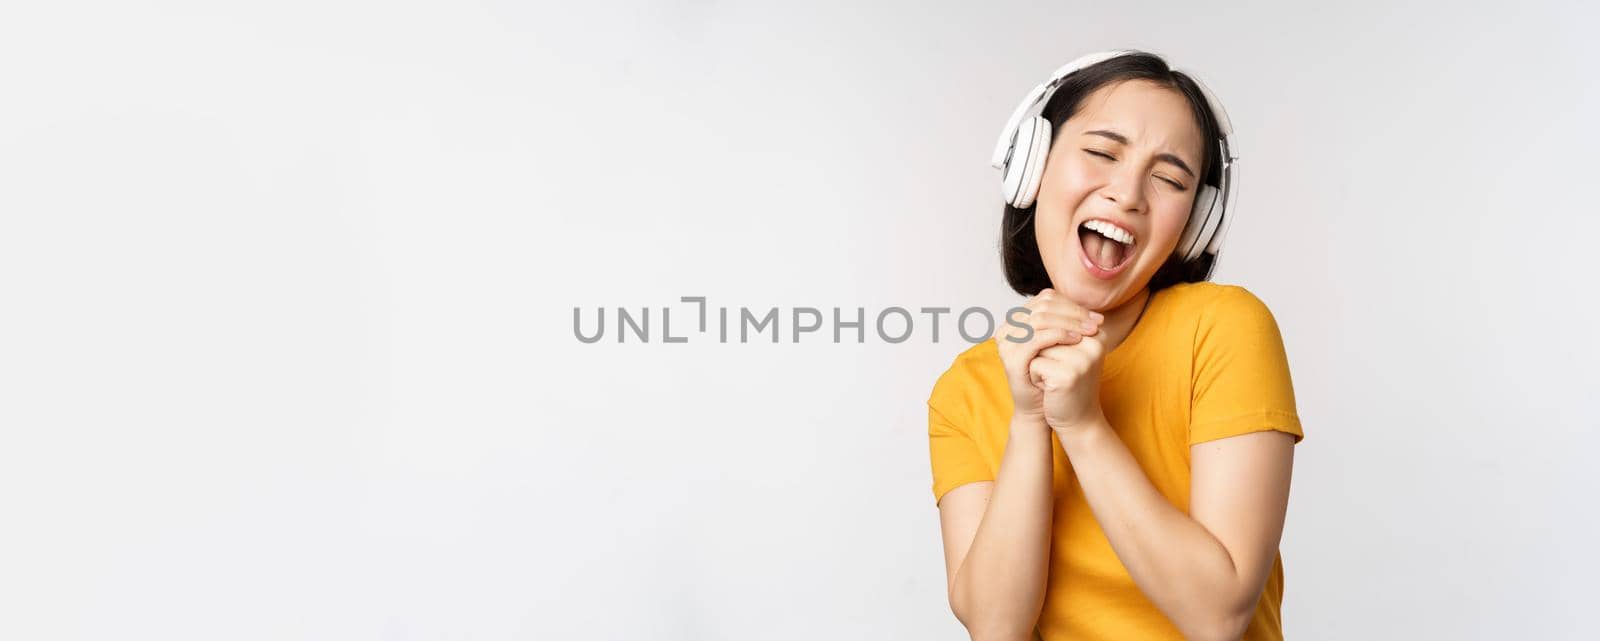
[(1126, 188)]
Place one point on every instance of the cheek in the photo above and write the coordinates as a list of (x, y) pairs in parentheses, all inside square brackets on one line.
[(1050, 232), (1076, 178), (1060, 197), (1168, 222)]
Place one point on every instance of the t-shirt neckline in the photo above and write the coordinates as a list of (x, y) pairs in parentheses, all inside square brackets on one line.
[(1117, 359)]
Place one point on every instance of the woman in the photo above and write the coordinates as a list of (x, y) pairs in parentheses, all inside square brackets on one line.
[(1115, 464)]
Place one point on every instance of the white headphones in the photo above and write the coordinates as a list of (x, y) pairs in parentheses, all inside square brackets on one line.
[(1024, 144)]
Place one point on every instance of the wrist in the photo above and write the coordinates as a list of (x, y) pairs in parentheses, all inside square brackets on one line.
[(1086, 425), (1022, 421)]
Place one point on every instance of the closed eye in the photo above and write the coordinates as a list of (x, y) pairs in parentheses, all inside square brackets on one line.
[(1175, 184)]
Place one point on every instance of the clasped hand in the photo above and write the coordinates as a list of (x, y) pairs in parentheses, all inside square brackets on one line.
[(1054, 374)]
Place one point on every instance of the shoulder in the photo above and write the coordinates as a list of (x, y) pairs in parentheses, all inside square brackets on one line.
[(969, 378), (1209, 296), (1210, 305), (1232, 328)]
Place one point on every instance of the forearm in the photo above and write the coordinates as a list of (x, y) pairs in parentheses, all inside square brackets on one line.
[(1173, 559), (999, 588)]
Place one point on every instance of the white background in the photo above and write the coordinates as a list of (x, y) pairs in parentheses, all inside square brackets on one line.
[(286, 297)]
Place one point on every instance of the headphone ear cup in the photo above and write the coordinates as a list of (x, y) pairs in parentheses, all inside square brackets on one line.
[(1033, 144), (1206, 241), (1012, 186), (1011, 171), (1195, 235)]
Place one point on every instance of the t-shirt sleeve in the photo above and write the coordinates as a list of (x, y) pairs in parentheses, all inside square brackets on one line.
[(1241, 372), (955, 456)]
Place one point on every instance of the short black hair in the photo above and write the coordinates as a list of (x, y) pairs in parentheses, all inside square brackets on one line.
[(1019, 250)]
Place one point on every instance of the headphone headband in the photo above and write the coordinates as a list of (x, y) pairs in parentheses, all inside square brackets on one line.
[(1040, 96)]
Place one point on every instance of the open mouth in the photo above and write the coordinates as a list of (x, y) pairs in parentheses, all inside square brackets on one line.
[(1107, 248)]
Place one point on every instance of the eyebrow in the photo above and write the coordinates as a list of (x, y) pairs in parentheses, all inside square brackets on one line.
[(1161, 156)]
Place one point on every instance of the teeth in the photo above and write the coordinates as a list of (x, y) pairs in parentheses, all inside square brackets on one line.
[(1110, 231)]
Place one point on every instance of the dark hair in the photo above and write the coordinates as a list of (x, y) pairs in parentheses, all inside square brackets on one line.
[(1019, 250)]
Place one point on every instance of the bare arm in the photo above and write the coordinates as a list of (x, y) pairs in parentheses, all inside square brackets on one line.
[(997, 539), (997, 533), (1204, 570)]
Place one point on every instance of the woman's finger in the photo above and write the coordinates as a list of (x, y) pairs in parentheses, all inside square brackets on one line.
[(1044, 369), (1042, 339), (1059, 352), (1072, 321), (1048, 300)]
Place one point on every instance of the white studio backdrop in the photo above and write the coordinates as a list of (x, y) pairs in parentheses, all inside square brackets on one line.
[(287, 292)]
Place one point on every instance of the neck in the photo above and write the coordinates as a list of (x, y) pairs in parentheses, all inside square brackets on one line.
[(1120, 321)]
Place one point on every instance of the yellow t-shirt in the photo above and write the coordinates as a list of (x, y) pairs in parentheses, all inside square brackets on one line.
[(1205, 362)]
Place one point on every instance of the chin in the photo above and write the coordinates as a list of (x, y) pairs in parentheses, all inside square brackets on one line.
[(1099, 290), (1095, 294)]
